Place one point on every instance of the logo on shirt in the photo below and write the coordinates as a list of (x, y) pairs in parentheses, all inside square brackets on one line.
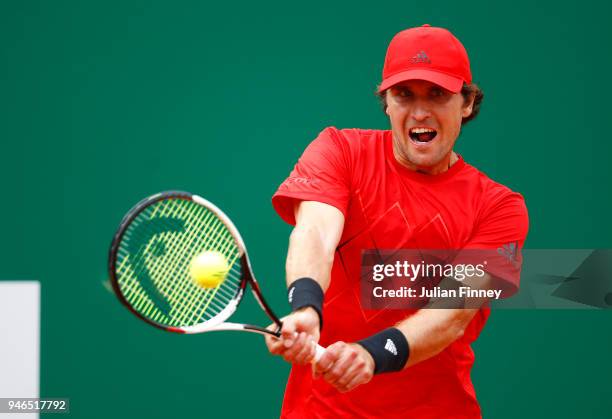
[(291, 294), (302, 180), (420, 58), (390, 346), (510, 252)]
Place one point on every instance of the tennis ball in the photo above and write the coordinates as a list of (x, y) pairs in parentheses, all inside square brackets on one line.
[(209, 269)]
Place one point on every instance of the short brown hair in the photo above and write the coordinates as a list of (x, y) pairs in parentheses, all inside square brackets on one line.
[(467, 90)]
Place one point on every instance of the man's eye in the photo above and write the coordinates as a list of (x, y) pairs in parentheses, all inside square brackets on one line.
[(403, 93), (438, 93)]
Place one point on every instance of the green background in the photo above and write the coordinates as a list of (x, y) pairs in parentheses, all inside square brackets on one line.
[(103, 103)]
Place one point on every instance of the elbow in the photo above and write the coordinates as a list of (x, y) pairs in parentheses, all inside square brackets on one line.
[(458, 333), (302, 232)]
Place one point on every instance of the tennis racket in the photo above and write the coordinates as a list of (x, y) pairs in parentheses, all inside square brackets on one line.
[(149, 262)]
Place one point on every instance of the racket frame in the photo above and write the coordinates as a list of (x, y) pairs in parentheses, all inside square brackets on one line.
[(216, 323)]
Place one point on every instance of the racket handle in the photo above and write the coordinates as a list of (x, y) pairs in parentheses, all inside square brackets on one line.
[(319, 351)]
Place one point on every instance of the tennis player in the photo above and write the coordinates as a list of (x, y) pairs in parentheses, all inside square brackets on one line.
[(354, 190)]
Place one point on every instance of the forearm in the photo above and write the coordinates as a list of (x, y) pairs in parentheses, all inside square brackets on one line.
[(311, 253), (312, 245), (443, 320), (430, 331)]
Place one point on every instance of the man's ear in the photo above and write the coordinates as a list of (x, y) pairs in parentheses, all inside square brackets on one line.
[(468, 106), (386, 102)]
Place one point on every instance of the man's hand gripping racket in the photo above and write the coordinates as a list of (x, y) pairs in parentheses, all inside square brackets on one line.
[(151, 266)]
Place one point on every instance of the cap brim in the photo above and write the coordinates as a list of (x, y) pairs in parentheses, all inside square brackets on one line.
[(450, 83)]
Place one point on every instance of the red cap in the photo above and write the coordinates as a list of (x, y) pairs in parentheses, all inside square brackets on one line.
[(426, 53)]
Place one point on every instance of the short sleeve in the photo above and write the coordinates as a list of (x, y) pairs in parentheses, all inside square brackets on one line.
[(321, 174), (498, 239)]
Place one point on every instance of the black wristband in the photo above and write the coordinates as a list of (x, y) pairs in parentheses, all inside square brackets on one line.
[(389, 349), (306, 292)]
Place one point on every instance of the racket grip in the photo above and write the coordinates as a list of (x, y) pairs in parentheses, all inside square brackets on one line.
[(319, 351)]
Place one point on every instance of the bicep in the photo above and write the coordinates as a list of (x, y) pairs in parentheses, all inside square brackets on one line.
[(325, 219)]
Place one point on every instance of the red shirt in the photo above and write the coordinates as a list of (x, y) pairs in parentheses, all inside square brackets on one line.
[(388, 206)]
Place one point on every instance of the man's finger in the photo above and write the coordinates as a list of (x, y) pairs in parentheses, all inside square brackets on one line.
[(296, 347), (328, 358), (360, 378), (341, 366), (307, 352), (288, 333), (353, 368), (275, 346)]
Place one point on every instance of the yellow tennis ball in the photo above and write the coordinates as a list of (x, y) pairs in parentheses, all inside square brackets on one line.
[(209, 269)]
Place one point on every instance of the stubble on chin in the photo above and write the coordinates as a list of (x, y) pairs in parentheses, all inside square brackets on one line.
[(423, 164)]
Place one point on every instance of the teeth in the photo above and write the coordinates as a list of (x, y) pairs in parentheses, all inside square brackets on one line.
[(421, 130)]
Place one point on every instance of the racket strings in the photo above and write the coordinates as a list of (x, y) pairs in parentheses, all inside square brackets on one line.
[(154, 257), (146, 265), (230, 251), (180, 248), (226, 246), (212, 233), (216, 236), (171, 243), (163, 271)]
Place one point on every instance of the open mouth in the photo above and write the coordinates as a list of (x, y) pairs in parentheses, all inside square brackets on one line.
[(422, 135)]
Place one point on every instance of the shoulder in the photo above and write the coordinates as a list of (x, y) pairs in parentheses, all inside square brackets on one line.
[(351, 142), (352, 136), (496, 199), (492, 191)]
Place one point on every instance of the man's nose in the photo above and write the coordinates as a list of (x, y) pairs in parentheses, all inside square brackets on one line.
[(420, 112)]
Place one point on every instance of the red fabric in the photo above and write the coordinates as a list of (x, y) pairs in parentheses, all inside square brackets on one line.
[(388, 206), (426, 53)]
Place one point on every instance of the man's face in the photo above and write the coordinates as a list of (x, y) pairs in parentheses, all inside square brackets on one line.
[(426, 121)]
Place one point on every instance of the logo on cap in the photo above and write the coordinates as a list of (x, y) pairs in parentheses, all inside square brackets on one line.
[(421, 57)]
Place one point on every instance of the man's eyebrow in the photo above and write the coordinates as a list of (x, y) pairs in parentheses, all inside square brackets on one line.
[(439, 88)]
